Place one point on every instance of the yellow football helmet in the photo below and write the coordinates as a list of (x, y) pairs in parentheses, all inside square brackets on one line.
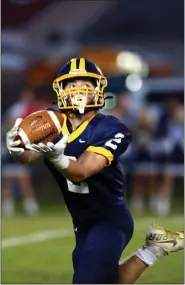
[(77, 98)]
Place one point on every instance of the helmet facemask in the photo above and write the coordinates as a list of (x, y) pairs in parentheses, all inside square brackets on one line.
[(80, 99)]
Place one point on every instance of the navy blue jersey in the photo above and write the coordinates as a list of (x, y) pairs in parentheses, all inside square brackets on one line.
[(101, 196)]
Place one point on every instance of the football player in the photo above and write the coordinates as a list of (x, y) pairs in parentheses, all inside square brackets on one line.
[(84, 162)]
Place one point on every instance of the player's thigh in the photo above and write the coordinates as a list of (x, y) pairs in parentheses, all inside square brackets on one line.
[(80, 239), (98, 262)]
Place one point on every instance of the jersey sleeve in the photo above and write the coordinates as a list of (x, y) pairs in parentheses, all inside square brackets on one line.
[(110, 139)]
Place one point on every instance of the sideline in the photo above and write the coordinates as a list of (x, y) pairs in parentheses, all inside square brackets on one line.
[(142, 224), (35, 238)]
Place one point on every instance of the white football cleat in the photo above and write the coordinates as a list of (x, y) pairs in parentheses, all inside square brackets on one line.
[(159, 238)]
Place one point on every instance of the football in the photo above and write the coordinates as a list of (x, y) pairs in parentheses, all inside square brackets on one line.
[(41, 126)]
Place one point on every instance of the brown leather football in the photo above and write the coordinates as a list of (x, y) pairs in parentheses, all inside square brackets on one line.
[(41, 126)]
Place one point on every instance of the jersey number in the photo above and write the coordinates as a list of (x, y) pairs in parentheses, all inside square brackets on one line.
[(80, 188), (116, 140)]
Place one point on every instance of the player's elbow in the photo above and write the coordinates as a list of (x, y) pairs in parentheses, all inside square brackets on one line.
[(78, 178)]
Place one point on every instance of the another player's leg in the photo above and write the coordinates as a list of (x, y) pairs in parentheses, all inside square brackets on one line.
[(7, 194), (159, 242), (30, 204), (165, 195), (137, 199)]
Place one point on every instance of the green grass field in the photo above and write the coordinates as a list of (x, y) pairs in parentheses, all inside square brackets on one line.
[(49, 260)]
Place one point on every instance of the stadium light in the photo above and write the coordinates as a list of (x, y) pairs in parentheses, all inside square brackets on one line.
[(134, 82), (129, 62)]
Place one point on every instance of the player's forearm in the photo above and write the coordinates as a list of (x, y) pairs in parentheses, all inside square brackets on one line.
[(79, 170), (26, 157), (75, 171)]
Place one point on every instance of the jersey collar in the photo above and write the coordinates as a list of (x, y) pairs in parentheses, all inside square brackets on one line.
[(75, 134)]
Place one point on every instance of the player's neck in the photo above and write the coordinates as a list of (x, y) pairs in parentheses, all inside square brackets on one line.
[(76, 119)]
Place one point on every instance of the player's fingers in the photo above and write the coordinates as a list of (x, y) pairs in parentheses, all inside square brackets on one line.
[(62, 143), (16, 150), (15, 143), (17, 123), (64, 139), (44, 147), (11, 134), (34, 147), (50, 145), (30, 147)]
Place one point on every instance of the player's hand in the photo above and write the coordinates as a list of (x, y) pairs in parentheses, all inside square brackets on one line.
[(12, 145), (51, 151), (54, 152)]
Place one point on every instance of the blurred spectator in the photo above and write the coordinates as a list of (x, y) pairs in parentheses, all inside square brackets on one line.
[(168, 152), (124, 111), (43, 96), (11, 171), (155, 156), (143, 164)]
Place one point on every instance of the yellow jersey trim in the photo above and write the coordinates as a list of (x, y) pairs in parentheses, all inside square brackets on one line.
[(103, 151), (64, 126), (77, 132)]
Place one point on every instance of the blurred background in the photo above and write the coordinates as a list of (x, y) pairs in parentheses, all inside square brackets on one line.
[(139, 45)]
